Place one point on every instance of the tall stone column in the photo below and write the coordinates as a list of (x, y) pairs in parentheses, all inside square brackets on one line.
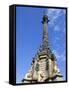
[(45, 32)]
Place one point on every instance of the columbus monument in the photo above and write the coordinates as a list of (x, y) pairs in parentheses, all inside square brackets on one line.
[(44, 65)]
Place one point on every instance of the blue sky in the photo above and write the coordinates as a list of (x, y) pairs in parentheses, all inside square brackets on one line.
[(29, 37)]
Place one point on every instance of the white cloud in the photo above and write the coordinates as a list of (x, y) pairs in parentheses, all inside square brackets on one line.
[(64, 11), (56, 41), (56, 28), (59, 56), (57, 38), (53, 15)]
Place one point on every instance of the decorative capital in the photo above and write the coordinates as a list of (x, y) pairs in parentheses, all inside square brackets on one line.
[(45, 19)]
